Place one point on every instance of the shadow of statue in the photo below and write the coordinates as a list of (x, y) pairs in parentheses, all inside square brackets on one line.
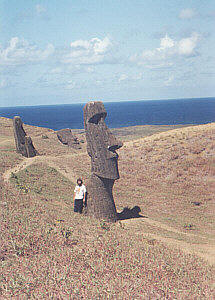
[(130, 213), (85, 204)]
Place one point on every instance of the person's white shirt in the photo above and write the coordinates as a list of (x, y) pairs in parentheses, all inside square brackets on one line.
[(80, 191)]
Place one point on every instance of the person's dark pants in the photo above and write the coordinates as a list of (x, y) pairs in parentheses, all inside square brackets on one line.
[(78, 205)]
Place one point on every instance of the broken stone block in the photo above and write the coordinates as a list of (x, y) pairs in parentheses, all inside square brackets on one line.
[(66, 137)]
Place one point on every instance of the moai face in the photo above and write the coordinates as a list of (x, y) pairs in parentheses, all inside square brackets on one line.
[(18, 121), (18, 126), (23, 142), (101, 143), (19, 133)]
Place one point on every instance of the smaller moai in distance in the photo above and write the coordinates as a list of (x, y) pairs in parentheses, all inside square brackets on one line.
[(66, 137), (23, 142)]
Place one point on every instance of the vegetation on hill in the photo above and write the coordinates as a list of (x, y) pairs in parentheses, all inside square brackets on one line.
[(47, 251)]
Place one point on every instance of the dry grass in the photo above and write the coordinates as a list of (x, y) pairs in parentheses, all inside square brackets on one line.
[(47, 251), (141, 131), (167, 173), (8, 156)]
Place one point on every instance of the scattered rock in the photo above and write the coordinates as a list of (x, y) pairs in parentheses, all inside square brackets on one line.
[(152, 242), (196, 203), (189, 226)]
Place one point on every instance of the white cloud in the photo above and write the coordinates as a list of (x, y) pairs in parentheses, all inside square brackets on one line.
[(123, 77), (70, 85), (3, 83), (70, 69), (102, 46), (187, 13), (166, 42), (90, 69), (169, 51), (40, 9), (56, 71), (20, 51), (88, 52), (169, 80), (187, 46)]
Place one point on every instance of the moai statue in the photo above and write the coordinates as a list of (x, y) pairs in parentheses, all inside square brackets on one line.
[(66, 137), (23, 142), (101, 147)]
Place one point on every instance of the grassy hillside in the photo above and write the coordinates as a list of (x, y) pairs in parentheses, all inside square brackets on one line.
[(47, 251)]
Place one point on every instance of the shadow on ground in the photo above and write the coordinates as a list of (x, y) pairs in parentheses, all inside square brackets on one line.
[(130, 213)]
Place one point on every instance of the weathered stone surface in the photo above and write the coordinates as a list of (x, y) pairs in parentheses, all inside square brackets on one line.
[(66, 137), (101, 147), (23, 142), (30, 150)]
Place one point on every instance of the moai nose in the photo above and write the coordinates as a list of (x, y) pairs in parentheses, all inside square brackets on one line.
[(114, 144)]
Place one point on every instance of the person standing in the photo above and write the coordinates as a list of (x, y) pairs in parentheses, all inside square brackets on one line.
[(79, 196)]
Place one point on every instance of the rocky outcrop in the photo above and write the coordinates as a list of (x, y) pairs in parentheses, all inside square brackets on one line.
[(101, 147), (23, 142), (66, 137)]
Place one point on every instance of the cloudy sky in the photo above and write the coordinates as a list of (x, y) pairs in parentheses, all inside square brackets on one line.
[(68, 51)]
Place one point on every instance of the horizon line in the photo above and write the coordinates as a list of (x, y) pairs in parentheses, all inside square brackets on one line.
[(74, 103)]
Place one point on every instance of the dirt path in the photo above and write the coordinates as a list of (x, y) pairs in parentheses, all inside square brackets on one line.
[(6, 141), (204, 250), (21, 166), (174, 230)]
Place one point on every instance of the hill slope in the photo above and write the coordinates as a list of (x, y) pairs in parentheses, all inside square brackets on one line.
[(48, 251)]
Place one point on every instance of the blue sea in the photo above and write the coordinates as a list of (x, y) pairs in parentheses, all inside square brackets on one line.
[(120, 114)]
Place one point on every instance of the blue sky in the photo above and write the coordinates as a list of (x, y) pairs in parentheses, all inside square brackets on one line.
[(69, 51)]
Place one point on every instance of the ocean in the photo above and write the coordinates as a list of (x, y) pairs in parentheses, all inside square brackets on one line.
[(120, 114)]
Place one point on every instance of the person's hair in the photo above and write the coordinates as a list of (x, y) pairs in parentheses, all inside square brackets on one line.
[(79, 179)]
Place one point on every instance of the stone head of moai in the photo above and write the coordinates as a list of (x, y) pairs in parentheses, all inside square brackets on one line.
[(23, 142), (18, 130), (101, 143)]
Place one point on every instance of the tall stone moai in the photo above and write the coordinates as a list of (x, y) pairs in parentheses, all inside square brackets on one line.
[(23, 142), (101, 147)]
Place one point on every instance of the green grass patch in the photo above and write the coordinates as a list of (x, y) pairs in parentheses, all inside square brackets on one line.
[(9, 158), (44, 181)]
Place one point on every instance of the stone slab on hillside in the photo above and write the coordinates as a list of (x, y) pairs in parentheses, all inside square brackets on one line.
[(66, 137), (23, 142)]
